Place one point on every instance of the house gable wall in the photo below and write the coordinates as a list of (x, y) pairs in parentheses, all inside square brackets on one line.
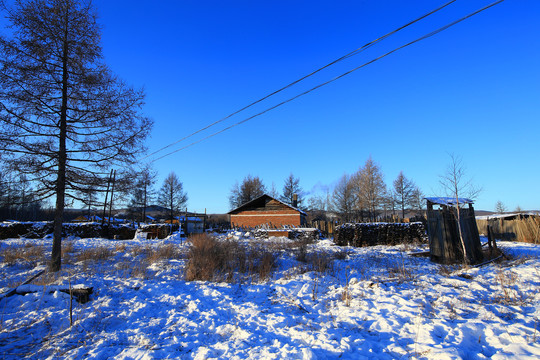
[(266, 212)]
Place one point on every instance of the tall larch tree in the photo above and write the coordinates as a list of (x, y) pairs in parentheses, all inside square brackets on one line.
[(291, 187), (172, 196), (344, 197), (404, 190), (370, 188), (65, 119)]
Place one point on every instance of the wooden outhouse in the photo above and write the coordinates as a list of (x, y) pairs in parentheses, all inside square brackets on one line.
[(444, 241), (265, 211)]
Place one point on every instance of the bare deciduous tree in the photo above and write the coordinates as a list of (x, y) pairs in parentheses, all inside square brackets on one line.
[(404, 192), (251, 188), (370, 188), (64, 118), (417, 201), (500, 207), (457, 185), (344, 197), (273, 192), (291, 187), (172, 196), (142, 192)]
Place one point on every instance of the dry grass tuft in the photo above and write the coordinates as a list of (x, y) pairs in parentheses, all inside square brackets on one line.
[(399, 270), (120, 248), (139, 270), (266, 265), (510, 293), (346, 293), (67, 252), (133, 269), (321, 262), (67, 247), (95, 254), (28, 254), (162, 252), (447, 270), (140, 250)]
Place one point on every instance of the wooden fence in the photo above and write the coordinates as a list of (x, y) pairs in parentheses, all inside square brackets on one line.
[(523, 228), (327, 228)]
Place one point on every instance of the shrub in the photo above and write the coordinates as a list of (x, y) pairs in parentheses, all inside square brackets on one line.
[(205, 258), (212, 260), (321, 262), (400, 271)]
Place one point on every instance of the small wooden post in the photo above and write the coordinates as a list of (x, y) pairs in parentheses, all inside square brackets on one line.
[(204, 221), (489, 239), (186, 222), (70, 303)]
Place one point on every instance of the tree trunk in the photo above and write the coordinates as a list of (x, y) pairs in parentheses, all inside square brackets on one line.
[(144, 204), (62, 159), (111, 203), (465, 255)]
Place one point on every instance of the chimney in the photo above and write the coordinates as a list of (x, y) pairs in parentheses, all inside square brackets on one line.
[(295, 200)]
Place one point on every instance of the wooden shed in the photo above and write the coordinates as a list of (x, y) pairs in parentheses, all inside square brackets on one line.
[(444, 241), (265, 211)]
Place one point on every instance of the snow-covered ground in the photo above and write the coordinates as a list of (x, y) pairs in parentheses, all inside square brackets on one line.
[(370, 303)]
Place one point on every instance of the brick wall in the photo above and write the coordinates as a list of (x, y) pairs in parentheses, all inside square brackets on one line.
[(273, 219)]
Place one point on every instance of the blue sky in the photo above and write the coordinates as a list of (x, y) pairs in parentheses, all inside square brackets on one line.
[(472, 90)]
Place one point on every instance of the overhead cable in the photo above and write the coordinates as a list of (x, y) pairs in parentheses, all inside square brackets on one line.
[(350, 54), (332, 80)]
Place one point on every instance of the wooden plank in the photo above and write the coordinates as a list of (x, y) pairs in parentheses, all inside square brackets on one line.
[(27, 281)]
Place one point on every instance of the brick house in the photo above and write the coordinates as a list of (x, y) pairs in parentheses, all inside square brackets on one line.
[(265, 211)]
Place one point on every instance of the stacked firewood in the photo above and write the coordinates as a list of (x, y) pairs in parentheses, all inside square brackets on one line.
[(370, 234), (38, 230)]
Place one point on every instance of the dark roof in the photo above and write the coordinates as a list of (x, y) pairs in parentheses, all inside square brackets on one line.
[(448, 200), (261, 201)]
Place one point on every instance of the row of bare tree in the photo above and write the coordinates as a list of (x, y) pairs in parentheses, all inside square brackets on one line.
[(360, 196)]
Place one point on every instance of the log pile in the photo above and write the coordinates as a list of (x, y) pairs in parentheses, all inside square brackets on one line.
[(304, 234), (38, 230), (370, 234), (155, 231)]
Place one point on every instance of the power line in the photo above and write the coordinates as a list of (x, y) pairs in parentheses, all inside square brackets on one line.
[(336, 78), (350, 54)]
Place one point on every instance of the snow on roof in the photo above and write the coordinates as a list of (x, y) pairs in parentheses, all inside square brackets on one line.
[(505, 216), (448, 200), (267, 196), (190, 218)]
